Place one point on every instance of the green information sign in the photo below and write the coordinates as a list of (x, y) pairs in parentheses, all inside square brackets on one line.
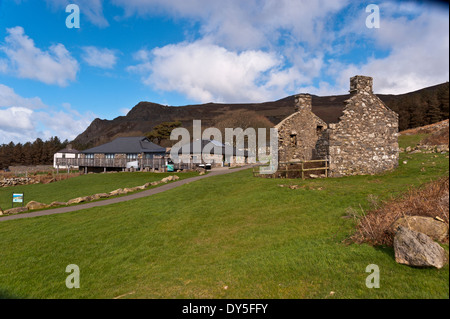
[(170, 167)]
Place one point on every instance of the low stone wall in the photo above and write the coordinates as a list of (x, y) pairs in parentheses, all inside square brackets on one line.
[(30, 169), (15, 181)]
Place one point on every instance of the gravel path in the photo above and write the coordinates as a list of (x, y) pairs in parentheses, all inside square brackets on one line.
[(149, 192)]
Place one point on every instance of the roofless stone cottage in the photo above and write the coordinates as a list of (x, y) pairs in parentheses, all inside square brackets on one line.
[(364, 141)]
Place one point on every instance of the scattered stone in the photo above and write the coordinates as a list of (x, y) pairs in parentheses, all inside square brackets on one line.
[(416, 249), (119, 191), (79, 200), (405, 162), (429, 226), (100, 195), (55, 204), (313, 176), (33, 205), (15, 210)]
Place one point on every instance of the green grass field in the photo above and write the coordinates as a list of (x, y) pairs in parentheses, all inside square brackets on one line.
[(247, 234), (83, 185)]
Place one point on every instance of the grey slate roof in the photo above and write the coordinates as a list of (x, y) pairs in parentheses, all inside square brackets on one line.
[(124, 145), (69, 150)]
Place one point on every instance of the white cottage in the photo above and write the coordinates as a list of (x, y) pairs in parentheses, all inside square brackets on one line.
[(60, 156)]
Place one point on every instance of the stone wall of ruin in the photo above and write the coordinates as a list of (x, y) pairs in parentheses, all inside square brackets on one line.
[(298, 133), (365, 140)]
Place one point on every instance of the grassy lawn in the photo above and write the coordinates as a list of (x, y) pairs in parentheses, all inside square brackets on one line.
[(83, 185), (247, 234)]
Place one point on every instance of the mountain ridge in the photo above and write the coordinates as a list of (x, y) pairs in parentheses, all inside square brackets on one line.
[(145, 115)]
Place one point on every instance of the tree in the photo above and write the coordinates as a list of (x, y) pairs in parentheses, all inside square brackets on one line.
[(242, 119), (162, 131)]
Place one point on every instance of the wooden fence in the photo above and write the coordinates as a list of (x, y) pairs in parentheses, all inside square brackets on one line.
[(299, 169), (150, 163)]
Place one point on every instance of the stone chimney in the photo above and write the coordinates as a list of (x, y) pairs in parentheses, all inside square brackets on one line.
[(303, 102), (360, 84)]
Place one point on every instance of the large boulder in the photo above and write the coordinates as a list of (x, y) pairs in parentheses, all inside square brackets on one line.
[(429, 226), (417, 249), (36, 205)]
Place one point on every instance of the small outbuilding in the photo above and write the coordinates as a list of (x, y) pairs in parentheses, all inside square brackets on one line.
[(63, 158)]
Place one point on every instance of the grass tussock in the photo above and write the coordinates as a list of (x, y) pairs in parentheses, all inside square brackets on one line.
[(374, 227)]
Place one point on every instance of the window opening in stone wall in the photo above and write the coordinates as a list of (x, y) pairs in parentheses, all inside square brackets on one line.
[(293, 139)]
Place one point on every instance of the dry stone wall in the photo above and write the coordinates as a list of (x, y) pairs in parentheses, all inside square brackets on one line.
[(298, 133)]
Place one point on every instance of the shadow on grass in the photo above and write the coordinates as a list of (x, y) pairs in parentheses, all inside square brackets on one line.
[(389, 251), (7, 295)]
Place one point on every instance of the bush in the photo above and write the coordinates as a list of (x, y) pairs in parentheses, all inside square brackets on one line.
[(374, 228)]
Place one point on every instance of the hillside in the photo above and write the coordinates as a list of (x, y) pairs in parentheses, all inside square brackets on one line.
[(415, 109)]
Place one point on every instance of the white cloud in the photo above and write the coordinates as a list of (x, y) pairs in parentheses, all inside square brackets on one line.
[(418, 57), (9, 98), (16, 118), (206, 72), (25, 119), (99, 57), (25, 60), (249, 24), (311, 36)]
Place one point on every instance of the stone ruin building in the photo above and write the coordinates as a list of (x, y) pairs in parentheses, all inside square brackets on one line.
[(364, 141)]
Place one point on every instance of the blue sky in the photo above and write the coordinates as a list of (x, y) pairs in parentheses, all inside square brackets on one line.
[(54, 80)]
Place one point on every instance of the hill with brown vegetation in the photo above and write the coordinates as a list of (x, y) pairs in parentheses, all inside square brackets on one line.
[(438, 133), (415, 109)]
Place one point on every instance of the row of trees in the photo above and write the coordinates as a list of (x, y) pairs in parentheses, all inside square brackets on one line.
[(38, 152), (421, 108)]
